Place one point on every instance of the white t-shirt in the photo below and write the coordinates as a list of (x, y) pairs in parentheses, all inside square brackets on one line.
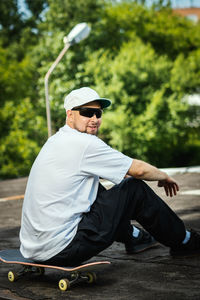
[(63, 185)]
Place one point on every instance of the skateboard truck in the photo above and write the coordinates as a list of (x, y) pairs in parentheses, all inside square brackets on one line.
[(65, 283), (13, 275)]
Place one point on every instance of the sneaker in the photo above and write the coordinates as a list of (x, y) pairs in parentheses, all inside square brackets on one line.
[(192, 247), (141, 243)]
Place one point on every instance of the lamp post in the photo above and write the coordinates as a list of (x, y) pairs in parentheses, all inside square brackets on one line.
[(77, 34)]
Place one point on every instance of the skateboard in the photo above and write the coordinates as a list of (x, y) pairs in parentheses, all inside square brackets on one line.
[(83, 272)]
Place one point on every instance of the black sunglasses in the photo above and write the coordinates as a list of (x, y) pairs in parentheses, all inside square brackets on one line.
[(89, 112)]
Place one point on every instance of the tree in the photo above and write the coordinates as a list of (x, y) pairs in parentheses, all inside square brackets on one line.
[(145, 59), (149, 118), (10, 21), (20, 146)]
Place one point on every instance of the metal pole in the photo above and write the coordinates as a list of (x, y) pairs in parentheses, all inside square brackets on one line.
[(48, 111)]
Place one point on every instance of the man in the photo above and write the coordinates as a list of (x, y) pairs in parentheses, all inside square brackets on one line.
[(68, 217)]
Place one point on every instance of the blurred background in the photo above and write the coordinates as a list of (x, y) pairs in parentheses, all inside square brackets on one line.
[(143, 55)]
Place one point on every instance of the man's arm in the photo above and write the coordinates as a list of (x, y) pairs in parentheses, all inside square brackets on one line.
[(144, 171)]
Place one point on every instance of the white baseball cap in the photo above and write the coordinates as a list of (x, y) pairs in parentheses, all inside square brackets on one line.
[(82, 96)]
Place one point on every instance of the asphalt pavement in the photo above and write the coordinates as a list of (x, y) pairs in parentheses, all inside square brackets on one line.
[(152, 274)]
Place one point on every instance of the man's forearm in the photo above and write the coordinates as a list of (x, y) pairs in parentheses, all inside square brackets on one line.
[(142, 170)]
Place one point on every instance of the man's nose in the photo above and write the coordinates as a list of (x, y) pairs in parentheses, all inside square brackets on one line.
[(94, 118)]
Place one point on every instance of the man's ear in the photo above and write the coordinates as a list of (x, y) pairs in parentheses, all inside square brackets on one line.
[(70, 117), (68, 113)]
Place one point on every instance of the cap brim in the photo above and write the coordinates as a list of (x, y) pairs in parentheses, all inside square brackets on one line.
[(104, 102)]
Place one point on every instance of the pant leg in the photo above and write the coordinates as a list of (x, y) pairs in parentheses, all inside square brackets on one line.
[(125, 229), (129, 200), (133, 199)]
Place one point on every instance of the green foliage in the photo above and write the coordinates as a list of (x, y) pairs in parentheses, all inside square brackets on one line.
[(16, 77), (10, 21), (144, 59), (25, 130), (36, 7), (149, 119), (186, 73), (64, 13), (167, 33)]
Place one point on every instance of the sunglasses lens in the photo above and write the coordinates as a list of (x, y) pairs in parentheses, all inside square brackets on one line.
[(90, 112), (86, 113), (98, 113)]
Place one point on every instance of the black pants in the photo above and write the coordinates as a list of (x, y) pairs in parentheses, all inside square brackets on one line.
[(109, 221)]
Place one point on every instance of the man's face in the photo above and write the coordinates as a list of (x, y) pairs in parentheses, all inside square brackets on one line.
[(82, 123)]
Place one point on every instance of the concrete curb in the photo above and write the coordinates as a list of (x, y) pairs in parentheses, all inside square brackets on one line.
[(172, 171)]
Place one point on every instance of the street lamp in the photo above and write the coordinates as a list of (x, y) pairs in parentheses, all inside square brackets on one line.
[(77, 34)]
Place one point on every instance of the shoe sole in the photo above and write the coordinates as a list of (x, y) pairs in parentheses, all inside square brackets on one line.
[(144, 248)]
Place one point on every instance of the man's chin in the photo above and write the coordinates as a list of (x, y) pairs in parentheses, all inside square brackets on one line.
[(92, 131)]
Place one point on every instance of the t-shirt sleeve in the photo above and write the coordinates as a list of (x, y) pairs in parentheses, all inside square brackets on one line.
[(101, 160)]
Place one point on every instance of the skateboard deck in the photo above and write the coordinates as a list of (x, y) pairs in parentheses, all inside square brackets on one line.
[(83, 272)]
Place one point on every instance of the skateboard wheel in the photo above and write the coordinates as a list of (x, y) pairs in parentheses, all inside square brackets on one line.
[(64, 284), (12, 276), (91, 277)]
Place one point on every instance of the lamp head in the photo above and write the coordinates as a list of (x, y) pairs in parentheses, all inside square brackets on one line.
[(77, 34)]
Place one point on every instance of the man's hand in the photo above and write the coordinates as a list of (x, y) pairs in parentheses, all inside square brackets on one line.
[(144, 171), (170, 186)]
